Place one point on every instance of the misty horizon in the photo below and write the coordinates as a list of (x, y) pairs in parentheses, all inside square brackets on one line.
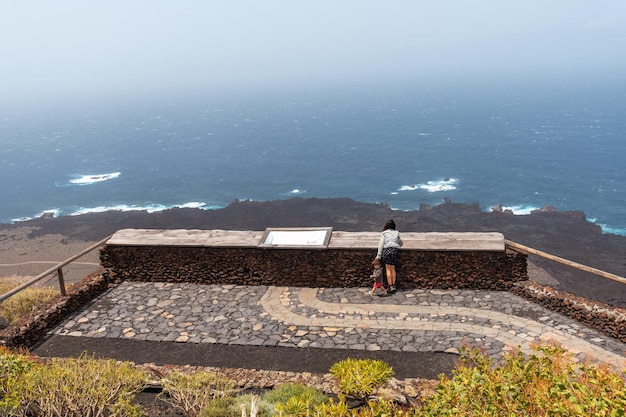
[(72, 49)]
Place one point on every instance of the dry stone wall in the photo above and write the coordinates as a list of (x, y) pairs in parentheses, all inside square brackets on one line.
[(311, 267), (607, 319)]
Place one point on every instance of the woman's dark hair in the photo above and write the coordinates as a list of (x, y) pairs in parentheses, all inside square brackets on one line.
[(389, 225)]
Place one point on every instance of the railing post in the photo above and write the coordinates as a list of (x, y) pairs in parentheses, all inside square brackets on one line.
[(61, 281), (56, 268)]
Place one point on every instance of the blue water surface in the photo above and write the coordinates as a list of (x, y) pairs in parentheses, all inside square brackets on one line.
[(523, 146)]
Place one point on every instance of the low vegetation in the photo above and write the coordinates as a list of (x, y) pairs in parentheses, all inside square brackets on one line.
[(75, 387), (25, 301), (359, 377), (546, 383), (191, 392)]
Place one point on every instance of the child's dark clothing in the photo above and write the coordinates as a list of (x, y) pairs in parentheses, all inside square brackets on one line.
[(377, 275)]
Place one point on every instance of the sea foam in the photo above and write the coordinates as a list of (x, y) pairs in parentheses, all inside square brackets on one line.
[(92, 179), (150, 208), (446, 184), (45, 213), (521, 209)]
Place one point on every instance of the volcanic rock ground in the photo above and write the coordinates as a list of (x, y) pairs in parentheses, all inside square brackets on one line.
[(564, 234)]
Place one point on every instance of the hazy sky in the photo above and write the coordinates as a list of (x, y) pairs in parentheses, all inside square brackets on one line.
[(54, 48)]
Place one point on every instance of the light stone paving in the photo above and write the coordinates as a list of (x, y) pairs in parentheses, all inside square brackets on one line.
[(348, 318)]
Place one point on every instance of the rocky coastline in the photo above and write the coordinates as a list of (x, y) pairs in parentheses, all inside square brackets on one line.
[(566, 234)]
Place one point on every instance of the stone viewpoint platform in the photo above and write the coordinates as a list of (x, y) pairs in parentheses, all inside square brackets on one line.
[(409, 322), (215, 321)]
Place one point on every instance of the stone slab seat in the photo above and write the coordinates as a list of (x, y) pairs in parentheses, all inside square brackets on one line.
[(451, 241), (434, 241), (186, 237)]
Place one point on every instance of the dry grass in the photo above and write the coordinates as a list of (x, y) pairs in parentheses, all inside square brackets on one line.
[(22, 303)]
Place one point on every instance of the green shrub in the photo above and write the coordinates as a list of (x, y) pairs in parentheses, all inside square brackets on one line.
[(334, 409), (191, 392), (294, 399), (79, 387), (546, 383), (25, 301), (13, 363), (264, 408), (221, 407), (381, 408), (360, 377), (232, 407), (378, 408), (13, 366)]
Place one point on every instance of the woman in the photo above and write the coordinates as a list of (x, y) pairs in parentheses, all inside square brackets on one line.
[(388, 251)]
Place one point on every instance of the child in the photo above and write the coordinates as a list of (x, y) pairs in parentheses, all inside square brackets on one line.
[(377, 274)]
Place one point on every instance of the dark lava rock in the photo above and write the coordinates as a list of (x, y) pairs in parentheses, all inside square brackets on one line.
[(565, 234)]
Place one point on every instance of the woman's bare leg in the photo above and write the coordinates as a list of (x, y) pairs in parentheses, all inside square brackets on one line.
[(390, 272)]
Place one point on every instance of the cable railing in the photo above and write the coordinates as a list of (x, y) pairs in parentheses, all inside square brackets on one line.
[(526, 249), (57, 269)]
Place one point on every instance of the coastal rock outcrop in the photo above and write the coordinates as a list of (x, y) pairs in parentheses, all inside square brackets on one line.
[(565, 234)]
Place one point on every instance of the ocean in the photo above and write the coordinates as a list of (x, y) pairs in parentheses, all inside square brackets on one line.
[(521, 145)]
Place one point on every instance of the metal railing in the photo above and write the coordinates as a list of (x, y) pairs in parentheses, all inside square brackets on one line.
[(526, 249), (58, 269)]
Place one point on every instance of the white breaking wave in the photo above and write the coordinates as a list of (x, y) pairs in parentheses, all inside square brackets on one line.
[(296, 191), (446, 184), (150, 208), (45, 213), (92, 179), (194, 204), (612, 230), (521, 209)]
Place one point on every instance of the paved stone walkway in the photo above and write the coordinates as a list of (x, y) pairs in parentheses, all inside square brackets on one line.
[(345, 318)]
